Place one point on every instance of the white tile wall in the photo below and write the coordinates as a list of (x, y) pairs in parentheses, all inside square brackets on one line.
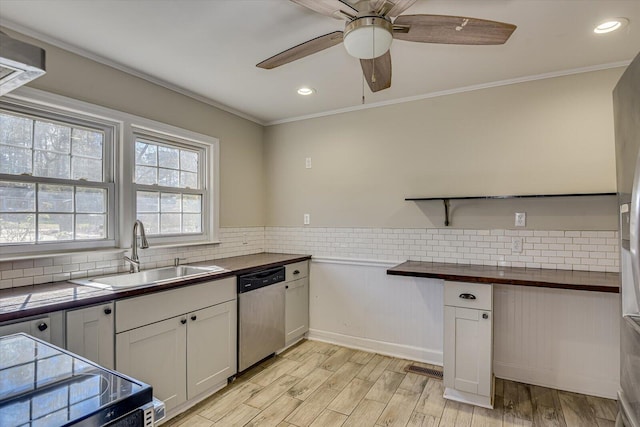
[(566, 250), (235, 241)]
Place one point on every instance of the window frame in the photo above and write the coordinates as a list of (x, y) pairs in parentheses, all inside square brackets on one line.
[(121, 166), (207, 147), (82, 120)]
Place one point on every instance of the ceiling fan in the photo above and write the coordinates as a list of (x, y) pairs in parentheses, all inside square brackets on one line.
[(369, 31)]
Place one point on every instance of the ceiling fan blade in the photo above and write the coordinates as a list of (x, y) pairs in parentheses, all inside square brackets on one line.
[(381, 73), (391, 8), (304, 49), (334, 8), (451, 30)]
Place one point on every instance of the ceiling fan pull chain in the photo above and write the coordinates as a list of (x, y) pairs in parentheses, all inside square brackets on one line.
[(362, 88)]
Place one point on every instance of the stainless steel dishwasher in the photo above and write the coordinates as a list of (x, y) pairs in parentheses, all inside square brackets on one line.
[(261, 297)]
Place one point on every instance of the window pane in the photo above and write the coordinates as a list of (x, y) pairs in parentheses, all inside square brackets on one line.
[(188, 161), (52, 137), (168, 157), (91, 226), (147, 202), (89, 169), (55, 198), (146, 175), (15, 161), (170, 223), (51, 165), (91, 200), (191, 223), (17, 228), (17, 197), (191, 203), (15, 130), (55, 227), (146, 154), (170, 202), (151, 222), (86, 143), (168, 178), (188, 180)]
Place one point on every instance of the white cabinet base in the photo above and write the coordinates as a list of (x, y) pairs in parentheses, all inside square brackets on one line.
[(471, 398)]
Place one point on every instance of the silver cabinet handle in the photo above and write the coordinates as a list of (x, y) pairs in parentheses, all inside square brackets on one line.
[(467, 296)]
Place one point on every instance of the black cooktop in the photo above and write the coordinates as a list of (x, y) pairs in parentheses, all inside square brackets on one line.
[(42, 385)]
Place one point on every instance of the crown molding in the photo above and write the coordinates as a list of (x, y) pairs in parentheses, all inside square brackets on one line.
[(118, 66), (471, 88)]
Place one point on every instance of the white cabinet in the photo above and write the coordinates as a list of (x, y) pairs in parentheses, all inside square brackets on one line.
[(182, 342), (48, 327), (468, 343), (296, 301), (90, 333)]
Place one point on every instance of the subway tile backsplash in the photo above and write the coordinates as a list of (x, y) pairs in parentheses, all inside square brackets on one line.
[(567, 250), (235, 241)]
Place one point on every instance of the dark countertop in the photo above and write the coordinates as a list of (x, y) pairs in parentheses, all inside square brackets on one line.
[(26, 301), (546, 278)]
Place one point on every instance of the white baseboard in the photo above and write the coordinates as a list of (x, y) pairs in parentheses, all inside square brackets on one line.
[(417, 354), (592, 386)]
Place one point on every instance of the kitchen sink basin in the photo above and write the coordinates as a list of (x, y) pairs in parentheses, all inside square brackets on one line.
[(149, 277)]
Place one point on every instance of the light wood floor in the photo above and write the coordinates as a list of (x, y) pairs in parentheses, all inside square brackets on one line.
[(319, 384)]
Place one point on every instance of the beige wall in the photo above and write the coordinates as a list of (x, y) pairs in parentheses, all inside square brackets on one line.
[(544, 136), (241, 141)]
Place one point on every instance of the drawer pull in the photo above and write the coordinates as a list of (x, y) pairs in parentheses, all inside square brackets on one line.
[(107, 310), (194, 317), (42, 327), (183, 321), (467, 296), (296, 272)]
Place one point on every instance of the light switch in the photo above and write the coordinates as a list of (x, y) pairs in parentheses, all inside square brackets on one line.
[(307, 219)]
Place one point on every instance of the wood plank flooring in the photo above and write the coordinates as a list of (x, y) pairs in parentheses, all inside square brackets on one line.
[(319, 384)]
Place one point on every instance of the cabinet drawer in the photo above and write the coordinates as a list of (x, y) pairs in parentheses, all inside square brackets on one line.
[(468, 295), (302, 269), (143, 310)]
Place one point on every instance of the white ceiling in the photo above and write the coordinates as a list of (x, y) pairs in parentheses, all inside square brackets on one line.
[(210, 47)]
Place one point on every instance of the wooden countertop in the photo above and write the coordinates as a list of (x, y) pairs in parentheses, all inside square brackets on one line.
[(546, 278), (26, 301)]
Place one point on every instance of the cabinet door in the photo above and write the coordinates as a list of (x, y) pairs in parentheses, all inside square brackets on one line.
[(155, 354), (468, 338), (211, 347), (296, 309), (90, 333)]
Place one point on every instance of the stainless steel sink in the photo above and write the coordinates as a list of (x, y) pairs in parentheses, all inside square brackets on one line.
[(149, 277)]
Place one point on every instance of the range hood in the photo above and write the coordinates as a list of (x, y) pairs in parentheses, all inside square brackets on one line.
[(20, 63)]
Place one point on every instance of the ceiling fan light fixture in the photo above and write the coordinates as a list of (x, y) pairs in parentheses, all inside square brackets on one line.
[(610, 25), (368, 37)]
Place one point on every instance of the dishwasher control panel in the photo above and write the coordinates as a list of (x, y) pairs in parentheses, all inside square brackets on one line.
[(259, 279)]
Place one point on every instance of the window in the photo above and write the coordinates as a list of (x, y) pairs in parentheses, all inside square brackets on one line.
[(171, 191), (56, 182)]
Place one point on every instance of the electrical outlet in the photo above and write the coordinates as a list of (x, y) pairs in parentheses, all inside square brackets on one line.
[(307, 219), (521, 219), (307, 162), (516, 245)]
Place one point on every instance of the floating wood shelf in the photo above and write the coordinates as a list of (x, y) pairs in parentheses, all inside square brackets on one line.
[(446, 199)]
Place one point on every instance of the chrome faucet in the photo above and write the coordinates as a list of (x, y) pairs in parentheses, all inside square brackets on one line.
[(134, 261)]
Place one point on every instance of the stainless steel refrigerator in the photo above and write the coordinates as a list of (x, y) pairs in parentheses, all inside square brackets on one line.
[(626, 107)]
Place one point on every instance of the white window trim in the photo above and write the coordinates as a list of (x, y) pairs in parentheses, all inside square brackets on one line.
[(210, 181), (124, 126)]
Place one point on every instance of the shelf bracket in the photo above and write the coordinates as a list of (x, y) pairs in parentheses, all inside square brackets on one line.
[(446, 212)]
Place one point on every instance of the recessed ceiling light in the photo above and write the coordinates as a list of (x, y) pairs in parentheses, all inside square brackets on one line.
[(611, 25), (306, 91)]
